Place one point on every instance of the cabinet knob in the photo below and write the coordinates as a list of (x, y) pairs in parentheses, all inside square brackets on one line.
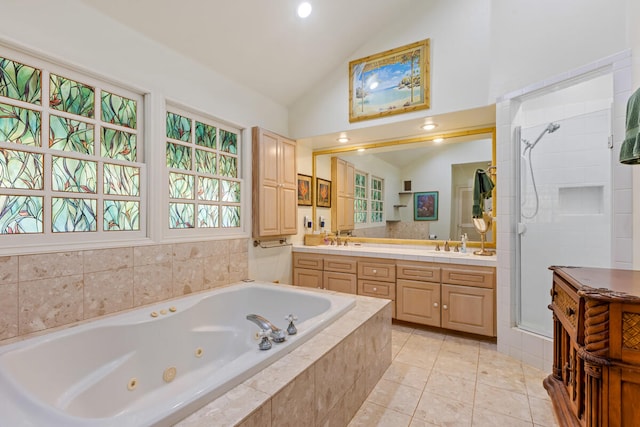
[(444, 307), (570, 311), (375, 289), (435, 304), (553, 292), (375, 271)]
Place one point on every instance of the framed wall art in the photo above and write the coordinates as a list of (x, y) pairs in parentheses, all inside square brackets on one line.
[(323, 192), (425, 206), (304, 190), (391, 82)]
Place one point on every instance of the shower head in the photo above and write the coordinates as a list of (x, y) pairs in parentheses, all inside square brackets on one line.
[(551, 127)]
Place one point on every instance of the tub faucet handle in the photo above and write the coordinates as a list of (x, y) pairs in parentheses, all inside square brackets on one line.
[(291, 329), (264, 344)]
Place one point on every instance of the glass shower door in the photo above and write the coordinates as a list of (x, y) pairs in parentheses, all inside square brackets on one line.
[(564, 206)]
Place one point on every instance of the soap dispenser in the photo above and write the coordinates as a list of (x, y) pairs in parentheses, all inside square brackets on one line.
[(463, 247)]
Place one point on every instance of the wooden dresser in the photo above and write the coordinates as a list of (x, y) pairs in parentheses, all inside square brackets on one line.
[(596, 347)]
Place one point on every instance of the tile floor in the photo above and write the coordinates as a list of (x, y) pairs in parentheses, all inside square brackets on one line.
[(438, 379)]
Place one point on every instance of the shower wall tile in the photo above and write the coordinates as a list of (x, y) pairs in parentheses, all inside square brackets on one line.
[(50, 302), (152, 283), (8, 310), (42, 266), (8, 269), (53, 289), (107, 292), (107, 259)]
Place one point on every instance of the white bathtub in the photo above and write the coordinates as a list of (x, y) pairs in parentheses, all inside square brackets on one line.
[(111, 372)]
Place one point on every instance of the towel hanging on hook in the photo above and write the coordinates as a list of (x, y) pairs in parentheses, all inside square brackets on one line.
[(630, 150)]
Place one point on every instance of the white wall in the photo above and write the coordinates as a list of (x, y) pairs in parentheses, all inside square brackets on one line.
[(459, 33)]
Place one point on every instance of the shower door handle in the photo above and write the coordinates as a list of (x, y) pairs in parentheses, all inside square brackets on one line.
[(521, 228)]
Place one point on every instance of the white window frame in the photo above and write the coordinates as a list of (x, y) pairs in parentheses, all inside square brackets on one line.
[(366, 199), (371, 200)]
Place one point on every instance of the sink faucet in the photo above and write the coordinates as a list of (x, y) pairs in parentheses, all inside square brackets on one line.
[(338, 238), (276, 334)]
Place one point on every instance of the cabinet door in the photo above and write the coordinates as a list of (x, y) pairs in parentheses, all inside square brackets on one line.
[(288, 187), (266, 184), (468, 309), (342, 194), (340, 282), (418, 302), (307, 278)]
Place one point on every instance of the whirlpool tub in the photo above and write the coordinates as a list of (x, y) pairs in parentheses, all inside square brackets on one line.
[(157, 364)]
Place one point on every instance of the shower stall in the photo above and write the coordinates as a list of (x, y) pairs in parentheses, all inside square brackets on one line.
[(564, 197)]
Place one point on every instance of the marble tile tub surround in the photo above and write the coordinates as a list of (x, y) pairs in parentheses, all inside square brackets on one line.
[(321, 383), (43, 291)]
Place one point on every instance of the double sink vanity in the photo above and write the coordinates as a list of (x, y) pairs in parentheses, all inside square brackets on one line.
[(451, 290)]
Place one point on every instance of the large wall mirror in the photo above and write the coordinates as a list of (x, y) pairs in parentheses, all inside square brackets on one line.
[(410, 175)]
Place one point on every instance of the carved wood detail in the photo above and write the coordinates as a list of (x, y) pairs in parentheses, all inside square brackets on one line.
[(566, 305), (596, 327), (631, 330)]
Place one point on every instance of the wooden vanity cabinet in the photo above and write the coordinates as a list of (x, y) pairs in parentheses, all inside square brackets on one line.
[(418, 292), (342, 194), (307, 270), (275, 185), (325, 272)]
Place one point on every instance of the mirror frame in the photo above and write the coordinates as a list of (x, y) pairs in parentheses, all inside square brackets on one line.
[(399, 142)]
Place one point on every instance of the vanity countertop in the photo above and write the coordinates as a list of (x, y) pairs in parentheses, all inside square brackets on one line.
[(401, 252)]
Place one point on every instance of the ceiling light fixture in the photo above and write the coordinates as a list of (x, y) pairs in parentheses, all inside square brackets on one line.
[(438, 140), (304, 9), (429, 126)]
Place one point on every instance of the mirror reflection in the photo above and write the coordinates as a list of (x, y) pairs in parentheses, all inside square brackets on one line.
[(417, 190)]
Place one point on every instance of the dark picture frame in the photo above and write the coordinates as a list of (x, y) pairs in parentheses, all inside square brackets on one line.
[(305, 197), (323, 193), (425, 206)]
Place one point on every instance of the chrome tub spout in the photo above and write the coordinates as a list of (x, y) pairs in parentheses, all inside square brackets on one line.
[(276, 334)]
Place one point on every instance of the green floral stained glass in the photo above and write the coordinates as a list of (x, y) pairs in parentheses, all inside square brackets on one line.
[(208, 189), (72, 175), (205, 161), (121, 180), (178, 127), (181, 215), (73, 215), (178, 156), (121, 215), (230, 191), (230, 216), (228, 142), (118, 145), (229, 166), (70, 135), (19, 81), (19, 125), (20, 214), (20, 169), (207, 216), (205, 135), (118, 110), (71, 96), (181, 186)]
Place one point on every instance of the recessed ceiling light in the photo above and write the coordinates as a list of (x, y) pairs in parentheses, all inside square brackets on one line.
[(304, 9), (429, 126), (438, 140), (343, 139)]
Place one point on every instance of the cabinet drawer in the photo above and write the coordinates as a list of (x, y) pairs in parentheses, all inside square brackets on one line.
[(381, 270), (420, 271), (374, 288), (565, 305), (310, 261), (341, 264), (482, 277)]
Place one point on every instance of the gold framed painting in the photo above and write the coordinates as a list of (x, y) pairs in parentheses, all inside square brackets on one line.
[(304, 190), (391, 82), (323, 192)]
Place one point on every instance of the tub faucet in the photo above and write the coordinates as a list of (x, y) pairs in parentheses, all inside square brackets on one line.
[(276, 334)]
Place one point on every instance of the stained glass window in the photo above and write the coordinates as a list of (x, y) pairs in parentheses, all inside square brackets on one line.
[(360, 201), (377, 203), (83, 173), (204, 166)]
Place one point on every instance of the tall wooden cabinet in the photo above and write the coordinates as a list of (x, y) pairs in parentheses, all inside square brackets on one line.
[(595, 380), (275, 194), (343, 178)]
